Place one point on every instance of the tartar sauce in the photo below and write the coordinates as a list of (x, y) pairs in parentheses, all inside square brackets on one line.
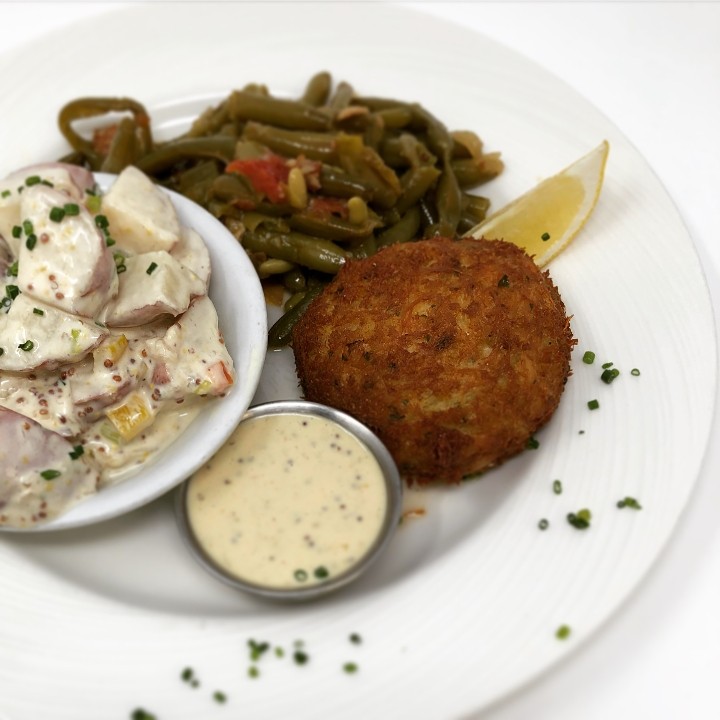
[(290, 500)]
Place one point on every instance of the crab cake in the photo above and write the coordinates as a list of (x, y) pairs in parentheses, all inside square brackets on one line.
[(453, 351)]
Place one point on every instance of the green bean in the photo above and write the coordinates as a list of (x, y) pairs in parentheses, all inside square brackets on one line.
[(210, 122), (314, 253), (87, 107), (293, 300), (448, 201), (291, 143), (295, 280), (416, 182), (363, 247), (317, 90), (395, 117), (341, 99), (232, 187), (471, 173), (124, 148), (273, 266), (404, 230), (338, 183), (195, 182), (164, 157), (406, 150), (290, 114), (331, 227), (280, 334), (364, 163)]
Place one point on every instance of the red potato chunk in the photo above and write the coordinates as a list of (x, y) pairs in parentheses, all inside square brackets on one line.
[(41, 473), (65, 263)]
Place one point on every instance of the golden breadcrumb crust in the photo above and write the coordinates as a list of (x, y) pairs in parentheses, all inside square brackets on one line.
[(453, 351)]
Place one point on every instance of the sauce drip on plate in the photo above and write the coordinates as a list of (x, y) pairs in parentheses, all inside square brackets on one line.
[(290, 500)]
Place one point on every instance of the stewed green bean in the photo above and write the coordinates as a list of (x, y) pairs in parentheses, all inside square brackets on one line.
[(305, 185)]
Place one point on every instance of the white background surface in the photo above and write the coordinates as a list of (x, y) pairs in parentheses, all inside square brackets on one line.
[(654, 70)]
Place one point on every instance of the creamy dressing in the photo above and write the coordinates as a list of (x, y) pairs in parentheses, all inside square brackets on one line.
[(290, 500)]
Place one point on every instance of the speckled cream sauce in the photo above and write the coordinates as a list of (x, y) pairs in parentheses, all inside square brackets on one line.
[(290, 500)]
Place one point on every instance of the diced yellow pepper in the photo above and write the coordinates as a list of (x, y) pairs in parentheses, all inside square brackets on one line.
[(131, 417), (111, 349)]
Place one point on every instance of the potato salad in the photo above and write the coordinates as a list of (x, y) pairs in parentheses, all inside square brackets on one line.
[(109, 343)]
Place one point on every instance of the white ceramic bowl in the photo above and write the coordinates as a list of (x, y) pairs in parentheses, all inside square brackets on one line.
[(238, 298)]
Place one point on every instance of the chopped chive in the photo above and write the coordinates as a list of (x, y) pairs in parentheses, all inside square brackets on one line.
[(219, 696), (27, 227), (557, 487), (12, 271), (350, 668), (50, 474), (580, 520), (109, 242), (300, 575), (76, 452), (187, 674), (629, 502), (543, 524), (27, 346), (16, 231), (257, 649), (563, 632), (609, 375), (589, 357), (140, 714), (593, 404), (38, 311), (31, 241), (635, 372), (606, 365), (504, 281), (279, 652), (47, 183), (532, 443), (102, 222), (300, 657), (6, 193), (355, 638), (12, 291), (71, 209), (253, 671), (121, 269), (32, 180), (321, 572), (545, 237), (151, 268), (93, 203), (57, 214), (2, 351)]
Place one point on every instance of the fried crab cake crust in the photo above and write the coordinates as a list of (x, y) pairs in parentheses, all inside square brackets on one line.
[(453, 351)]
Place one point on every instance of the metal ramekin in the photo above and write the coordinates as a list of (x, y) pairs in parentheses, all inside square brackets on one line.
[(393, 486)]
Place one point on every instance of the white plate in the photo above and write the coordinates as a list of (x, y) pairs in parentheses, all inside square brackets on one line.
[(238, 298), (463, 609)]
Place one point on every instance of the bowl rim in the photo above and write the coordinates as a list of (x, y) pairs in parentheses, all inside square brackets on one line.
[(394, 494)]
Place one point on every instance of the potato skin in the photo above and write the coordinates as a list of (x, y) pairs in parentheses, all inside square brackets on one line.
[(453, 351)]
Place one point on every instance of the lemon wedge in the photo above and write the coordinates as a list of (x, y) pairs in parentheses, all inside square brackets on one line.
[(546, 218)]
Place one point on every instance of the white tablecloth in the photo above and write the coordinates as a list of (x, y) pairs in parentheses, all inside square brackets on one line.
[(654, 69)]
